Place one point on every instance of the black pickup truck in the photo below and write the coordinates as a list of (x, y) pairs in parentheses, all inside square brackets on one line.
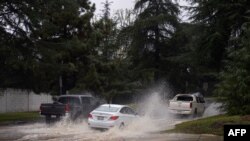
[(74, 106)]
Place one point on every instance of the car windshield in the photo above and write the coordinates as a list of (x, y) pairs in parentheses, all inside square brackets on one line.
[(107, 109), (184, 98)]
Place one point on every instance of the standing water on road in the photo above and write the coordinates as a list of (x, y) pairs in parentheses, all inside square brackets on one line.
[(155, 118)]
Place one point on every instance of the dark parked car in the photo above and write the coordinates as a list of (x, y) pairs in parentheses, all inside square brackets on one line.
[(74, 106)]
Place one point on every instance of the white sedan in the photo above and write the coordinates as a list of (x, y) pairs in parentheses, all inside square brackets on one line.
[(111, 115)]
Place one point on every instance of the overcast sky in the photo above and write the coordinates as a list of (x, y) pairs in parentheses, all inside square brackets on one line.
[(123, 4), (116, 4)]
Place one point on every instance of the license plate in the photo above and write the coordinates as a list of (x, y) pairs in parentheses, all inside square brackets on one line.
[(100, 118)]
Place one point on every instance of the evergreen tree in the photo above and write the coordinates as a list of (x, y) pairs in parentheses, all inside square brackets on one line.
[(224, 48), (43, 41), (222, 23), (233, 90), (153, 28), (102, 76), (66, 33)]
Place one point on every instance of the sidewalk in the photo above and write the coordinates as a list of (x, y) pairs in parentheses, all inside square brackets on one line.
[(178, 137)]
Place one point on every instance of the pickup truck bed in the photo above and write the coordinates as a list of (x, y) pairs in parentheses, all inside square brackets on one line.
[(53, 109), (75, 106)]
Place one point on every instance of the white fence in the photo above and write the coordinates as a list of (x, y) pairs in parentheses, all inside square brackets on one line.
[(21, 101)]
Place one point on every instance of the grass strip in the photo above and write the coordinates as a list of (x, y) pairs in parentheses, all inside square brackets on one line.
[(19, 116), (211, 125)]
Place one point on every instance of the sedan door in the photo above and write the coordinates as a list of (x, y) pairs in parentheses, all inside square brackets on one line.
[(124, 116), (128, 114), (131, 114)]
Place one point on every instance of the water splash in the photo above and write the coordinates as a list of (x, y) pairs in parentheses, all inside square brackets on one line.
[(212, 110), (155, 117)]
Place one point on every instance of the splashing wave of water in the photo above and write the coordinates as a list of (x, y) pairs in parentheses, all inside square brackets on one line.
[(156, 118)]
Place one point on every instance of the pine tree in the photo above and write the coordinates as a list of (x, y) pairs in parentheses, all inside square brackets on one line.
[(234, 88), (154, 26), (45, 40), (224, 48)]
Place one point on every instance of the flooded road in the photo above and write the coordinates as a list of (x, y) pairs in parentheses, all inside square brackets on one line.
[(81, 132), (156, 118)]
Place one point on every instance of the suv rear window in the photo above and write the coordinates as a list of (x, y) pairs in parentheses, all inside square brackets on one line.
[(184, 98)]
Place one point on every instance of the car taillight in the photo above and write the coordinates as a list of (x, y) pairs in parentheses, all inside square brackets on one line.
[(67, 109), (191, 105), (114, 117), (90, 116)]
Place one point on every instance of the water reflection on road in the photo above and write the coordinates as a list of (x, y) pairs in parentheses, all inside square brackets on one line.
[(81, 132)]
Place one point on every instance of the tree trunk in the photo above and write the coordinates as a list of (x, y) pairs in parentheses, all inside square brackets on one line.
[(157, 54)]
